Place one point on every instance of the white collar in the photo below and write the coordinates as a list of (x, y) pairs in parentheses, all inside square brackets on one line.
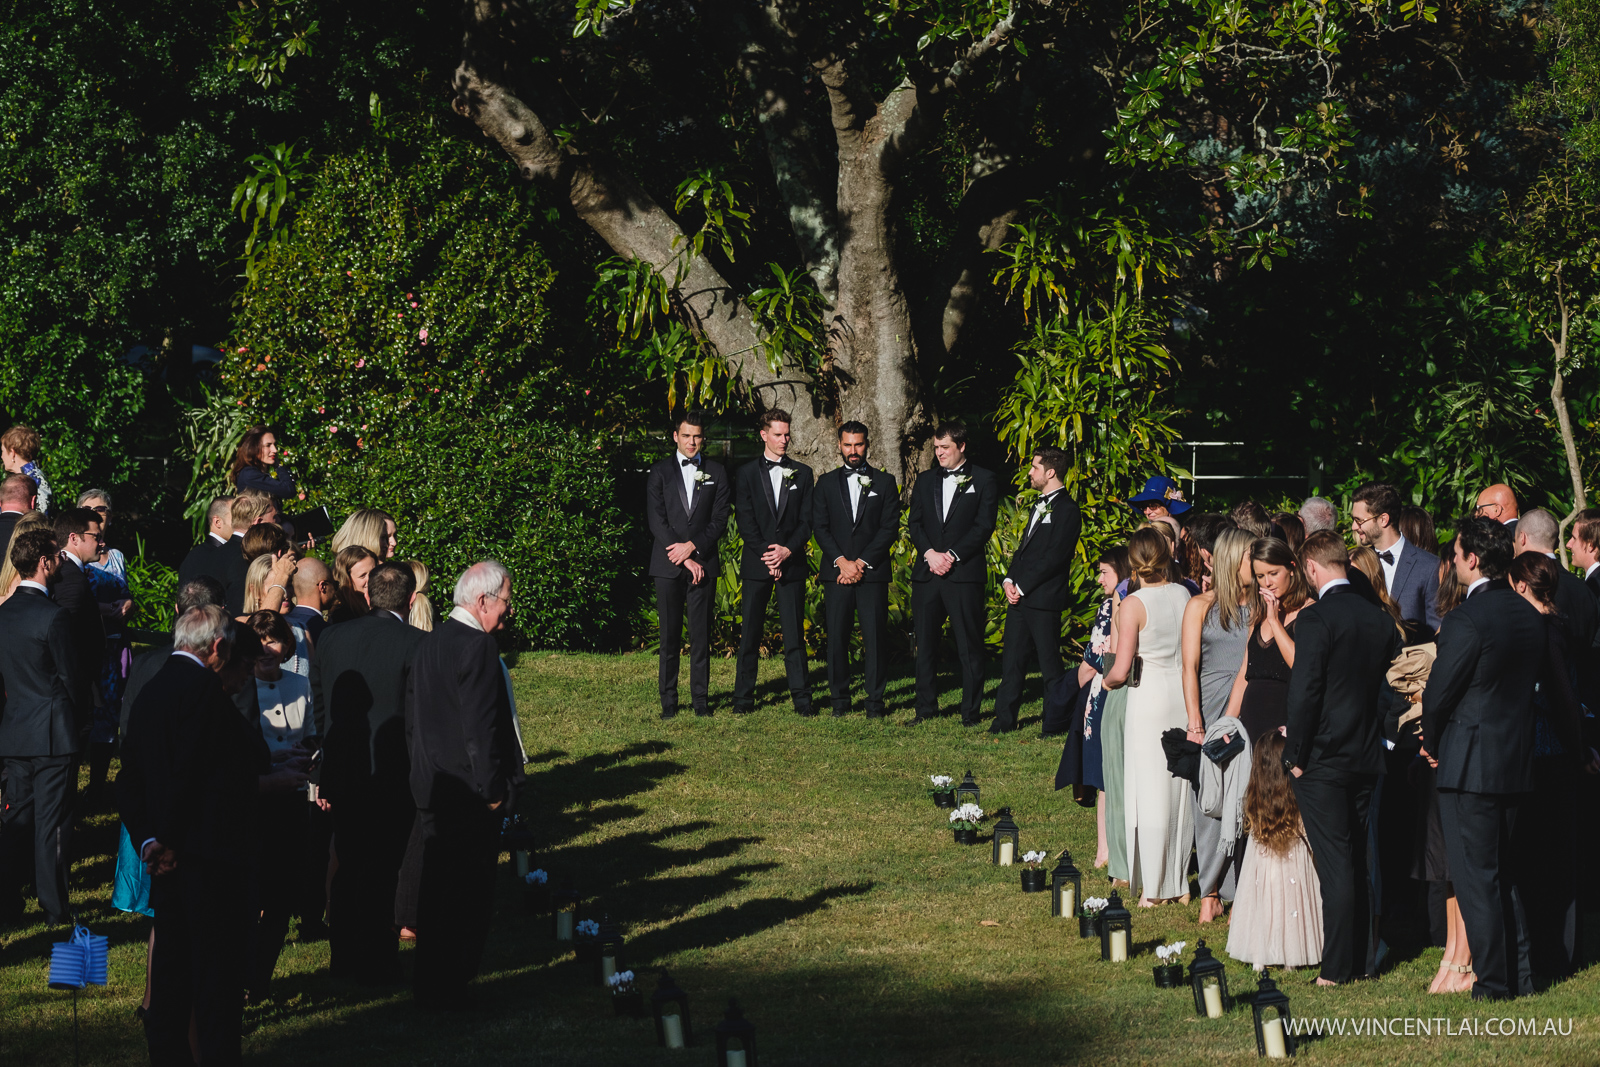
[(31, 584), (190, 655), (1329, 585), (82, 563), (396, 614), (1591, 568), (1473, 588), (1552, 555), (11, 511), (462, 615), (1395, 549), (216, 537), (693, 461)]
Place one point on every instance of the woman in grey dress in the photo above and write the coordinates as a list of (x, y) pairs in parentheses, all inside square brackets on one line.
[(1216, 625)]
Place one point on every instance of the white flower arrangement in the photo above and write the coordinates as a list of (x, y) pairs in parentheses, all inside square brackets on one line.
[(621, 983), (1033, 859), (588, 928), (1093, 906), (942, 783), (1168, 954), (536, 877), (966, 817), (789, 473)]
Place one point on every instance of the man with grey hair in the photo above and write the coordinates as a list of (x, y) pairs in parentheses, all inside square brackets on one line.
[(466, 764), (1318, 513), (191, 769)]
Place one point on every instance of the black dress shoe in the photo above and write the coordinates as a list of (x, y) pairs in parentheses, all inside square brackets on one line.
[(919, 720), (998, 729), (806, 713), (839, 713), (704, 713), (971, 722), (876, 715), (669, 713)]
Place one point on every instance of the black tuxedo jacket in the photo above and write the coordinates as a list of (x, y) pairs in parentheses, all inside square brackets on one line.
[(1580, 621), (869, 535), (8, 526), (1041, 567), (675, 517), (359, 678), (72, 592), (1342, 648), (200, 561), (146, 665), (44, 692), (965, 532), (764, 521), (1592, 583), (189, 767), (1477, 711), (463, 747)]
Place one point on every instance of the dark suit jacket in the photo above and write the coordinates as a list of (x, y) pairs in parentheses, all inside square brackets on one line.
[(189, 767), (1580, 622), (8, 526), (145, 667), (463, 747), (72, 592), (1416, 585), (1342, 648), (1477, 711), (224, 562), (1041, 567), (199, 562), (869, 535), (965, 532), (674, 517), (45, 701), (764, 521), (1592, 583), (359, 678)]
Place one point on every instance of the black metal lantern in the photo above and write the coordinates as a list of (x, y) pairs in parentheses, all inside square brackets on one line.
[(967, 791), (1007, 839), (1209, 981), (736, 1039), (670, 1005), (1274, 1039), (1066, 888), (607, 962), (564, 906), (1116, 931)]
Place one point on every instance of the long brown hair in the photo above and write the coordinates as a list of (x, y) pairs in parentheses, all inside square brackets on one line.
[(1278, 554), (248, 453), (343, 564), (1270, 813), (1451, 592)]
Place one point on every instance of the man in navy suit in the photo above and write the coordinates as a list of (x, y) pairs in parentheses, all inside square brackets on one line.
[(774, 517), (856, 511), (1478, 731), (1410, 572), (953, 512), (686, 501)]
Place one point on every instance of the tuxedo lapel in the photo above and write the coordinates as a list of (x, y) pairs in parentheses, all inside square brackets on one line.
[(765, 477), (683, 492), (783, 492)]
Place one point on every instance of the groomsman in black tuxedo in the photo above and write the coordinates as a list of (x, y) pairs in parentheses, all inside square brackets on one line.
[(1038, 586), (1478, 730), (774, 516), (219, 528), (953, 511), (1334, 752), (686, 502), (857, 513)]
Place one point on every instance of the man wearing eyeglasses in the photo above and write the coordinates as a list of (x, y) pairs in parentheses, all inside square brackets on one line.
[(1410, 572), (78, 534), (1499, 503)]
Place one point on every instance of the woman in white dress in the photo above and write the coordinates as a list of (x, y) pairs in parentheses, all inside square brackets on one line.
[(1156, 810)]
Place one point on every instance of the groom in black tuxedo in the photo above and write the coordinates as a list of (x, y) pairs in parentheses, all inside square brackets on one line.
[(857, 515), (1038, 586), (1478, 730), (1343, 647), (953, 511), (686, 501), (774, 516)]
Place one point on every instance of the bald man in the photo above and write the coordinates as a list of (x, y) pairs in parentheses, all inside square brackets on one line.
[(314, 593), (1499, 503)]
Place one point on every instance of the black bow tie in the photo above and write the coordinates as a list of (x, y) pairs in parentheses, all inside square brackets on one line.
[(768, 464), (959, 470), (689, 462), (1387, 557)]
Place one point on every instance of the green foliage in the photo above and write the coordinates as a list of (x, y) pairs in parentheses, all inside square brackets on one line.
[(154, 588), (400, 340), (1550, 260), (209, 433), (266, 34), (263, 196)]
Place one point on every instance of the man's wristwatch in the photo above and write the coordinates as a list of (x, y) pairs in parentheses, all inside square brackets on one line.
[(1288, 765)]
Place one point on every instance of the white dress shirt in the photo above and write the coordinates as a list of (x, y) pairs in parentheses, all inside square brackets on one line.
[(213, 535), (1394, 551), (950, 489), (850, 476), (687, 473), (1473, 588), (31, 584), (1591, 569), (1329, 585), (776, 475)]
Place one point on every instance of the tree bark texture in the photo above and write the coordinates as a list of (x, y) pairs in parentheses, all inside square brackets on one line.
[(1558, 400)]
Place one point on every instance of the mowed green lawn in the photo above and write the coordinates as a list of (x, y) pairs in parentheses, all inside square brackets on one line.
[(798, 865)]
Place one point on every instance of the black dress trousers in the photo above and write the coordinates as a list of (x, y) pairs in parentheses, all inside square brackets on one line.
[(792, 616), (843, 605), (372, 829), (1027, 630), (932, 602), (1479, 829), (677, 599), (460, 846), (204, 936), (1333, 806), (37, 825)]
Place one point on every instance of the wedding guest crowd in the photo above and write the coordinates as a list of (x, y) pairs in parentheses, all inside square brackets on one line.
[(267, 750)]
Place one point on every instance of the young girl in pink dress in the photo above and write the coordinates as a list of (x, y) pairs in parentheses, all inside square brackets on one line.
[(1277, 911)]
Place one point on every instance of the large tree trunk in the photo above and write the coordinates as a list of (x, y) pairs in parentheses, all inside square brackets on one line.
[(1558, 400)]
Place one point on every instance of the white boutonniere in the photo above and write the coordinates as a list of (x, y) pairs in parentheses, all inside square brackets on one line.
[(864, 481), (702, 478), (963, 481), (789, 473)]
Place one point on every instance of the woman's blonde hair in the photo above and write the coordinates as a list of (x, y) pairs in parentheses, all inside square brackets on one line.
[(33, 520), (421, 607), (1150, 555), (1227, 554), (255, 581), (367, 527)]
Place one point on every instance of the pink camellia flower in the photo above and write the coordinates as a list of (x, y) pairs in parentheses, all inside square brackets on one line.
[(360, 363), (320, 409), (242, 351), (333, 429), (359, 443), (408, 297), (423, 333), (363, 426), (413, 303)]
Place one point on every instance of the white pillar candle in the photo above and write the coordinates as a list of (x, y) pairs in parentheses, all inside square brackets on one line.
[(522, 863), (1007, 850), (1272, 1037), (736, 1057), (564, 924), (672, 1029), (1119, 946), (1213, 994), (1068, 901), (608, 967)]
